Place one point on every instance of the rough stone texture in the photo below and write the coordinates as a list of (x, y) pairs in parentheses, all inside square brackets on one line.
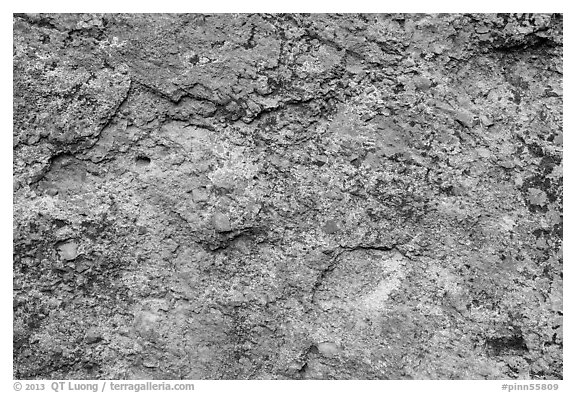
[(288, 196)]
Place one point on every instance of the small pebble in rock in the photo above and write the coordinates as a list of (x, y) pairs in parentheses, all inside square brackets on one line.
[(328, 349), (151, 363), (221, 222), (506, 163), (68, 250), (537, 197), (320, 160), (486, 121), (330, 227), (92, 336), (200, 195), (482, 29), (465, 118), (483, 152), (422, 83)]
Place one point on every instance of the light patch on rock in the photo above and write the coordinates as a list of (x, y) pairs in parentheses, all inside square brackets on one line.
[(537, 197), (483, 152), (507, 223), (394, 274), (93, 335), (330, 227), (68, 250), (328, 349), (221, 222), (145, 321), (200, 195), (234, 170)]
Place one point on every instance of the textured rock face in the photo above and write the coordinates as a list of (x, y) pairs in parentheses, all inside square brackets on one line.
[(288, 196)]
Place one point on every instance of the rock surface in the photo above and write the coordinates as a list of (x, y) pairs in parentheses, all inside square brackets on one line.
[(288, 196)]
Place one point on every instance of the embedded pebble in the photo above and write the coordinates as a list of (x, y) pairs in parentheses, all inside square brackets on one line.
[(465, 118), (422, 83), (537, 197), (200, 195), (93, 336), (330, 227), (328, 349), (221, 222), (68, 250)]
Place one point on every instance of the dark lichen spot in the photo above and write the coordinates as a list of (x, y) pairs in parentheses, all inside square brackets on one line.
[(194, 59), (506, 345)]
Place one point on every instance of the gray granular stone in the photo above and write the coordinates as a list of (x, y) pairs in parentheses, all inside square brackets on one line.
[(221, 222), (288, 196)]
